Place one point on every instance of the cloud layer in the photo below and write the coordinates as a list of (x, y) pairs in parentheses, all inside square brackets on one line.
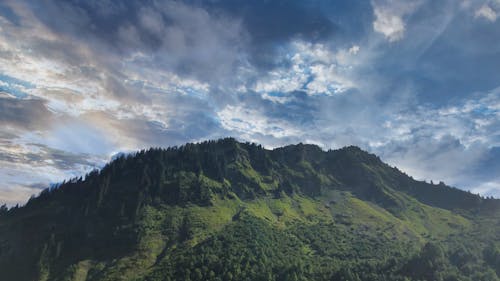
[(413, 81)]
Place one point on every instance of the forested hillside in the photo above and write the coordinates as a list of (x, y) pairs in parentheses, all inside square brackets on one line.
[(225, 210)]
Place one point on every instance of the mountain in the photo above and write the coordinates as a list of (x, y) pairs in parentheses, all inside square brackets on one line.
[(225, 210)]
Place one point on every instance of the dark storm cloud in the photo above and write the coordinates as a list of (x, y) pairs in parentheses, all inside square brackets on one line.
[(23, 113), (271, 23), (181, 37), (59, 159), (88, 19), (300, 109), (159, 26)]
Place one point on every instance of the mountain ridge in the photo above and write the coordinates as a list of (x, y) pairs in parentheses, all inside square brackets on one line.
[(346, 158), (157, 205)]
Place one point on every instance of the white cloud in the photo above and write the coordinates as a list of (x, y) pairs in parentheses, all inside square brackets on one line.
[(490, 188), (312, 68), (389, 17), (486, 12), (247, 123), (327, 80), (282, 81), (354, 49), (390, 25)]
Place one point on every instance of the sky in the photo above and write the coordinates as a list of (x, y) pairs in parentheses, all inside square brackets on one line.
[(416, 82)]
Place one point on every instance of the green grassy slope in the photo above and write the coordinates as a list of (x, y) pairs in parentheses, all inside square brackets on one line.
[(224, 210)]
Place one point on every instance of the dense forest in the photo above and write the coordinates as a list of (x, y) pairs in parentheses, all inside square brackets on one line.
[(225, 210)]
